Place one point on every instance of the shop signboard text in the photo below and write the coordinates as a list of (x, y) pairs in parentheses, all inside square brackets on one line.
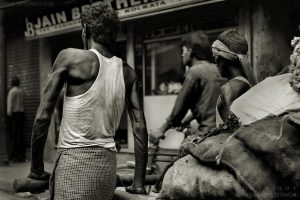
[(66, 20)]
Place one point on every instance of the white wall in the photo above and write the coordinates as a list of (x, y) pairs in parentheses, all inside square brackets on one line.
[(157, 109), (45, 71)]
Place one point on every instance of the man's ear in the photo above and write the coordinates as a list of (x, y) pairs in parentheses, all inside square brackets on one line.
[(191, 52)]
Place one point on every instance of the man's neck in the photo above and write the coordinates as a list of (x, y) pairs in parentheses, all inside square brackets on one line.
[(103, 50), (197, 62), (233, 72)]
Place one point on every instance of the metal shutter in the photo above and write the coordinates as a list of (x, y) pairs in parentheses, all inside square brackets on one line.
[(23, 61)]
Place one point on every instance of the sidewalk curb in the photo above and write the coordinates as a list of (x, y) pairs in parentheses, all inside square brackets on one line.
[(12, 171), (6, 186)]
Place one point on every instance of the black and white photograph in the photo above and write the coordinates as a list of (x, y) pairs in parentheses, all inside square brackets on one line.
[(149, 99)]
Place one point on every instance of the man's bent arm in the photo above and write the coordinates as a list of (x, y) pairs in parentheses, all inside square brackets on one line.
[(43, 119), (9, 103), (182, 104), (140, 136), (187, 119)]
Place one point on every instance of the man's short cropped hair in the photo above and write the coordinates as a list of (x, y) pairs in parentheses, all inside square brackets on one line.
[(101, 22), (15, 81), (198, 41)]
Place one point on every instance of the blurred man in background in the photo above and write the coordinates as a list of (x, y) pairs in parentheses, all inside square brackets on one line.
[(15, 112), (200, 89)]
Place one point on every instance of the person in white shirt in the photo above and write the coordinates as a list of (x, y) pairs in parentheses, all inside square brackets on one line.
[(15, 112)]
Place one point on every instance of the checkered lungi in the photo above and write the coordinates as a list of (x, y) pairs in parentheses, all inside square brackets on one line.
[(87, 173)]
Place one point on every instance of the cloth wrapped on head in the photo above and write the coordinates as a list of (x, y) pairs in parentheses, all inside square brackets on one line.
[(232, 46)]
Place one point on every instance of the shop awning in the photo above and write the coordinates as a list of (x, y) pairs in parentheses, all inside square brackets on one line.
[(68, 19)]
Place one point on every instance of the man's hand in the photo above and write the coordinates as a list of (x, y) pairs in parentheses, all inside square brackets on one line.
[(183, 128), (39, 176), (135, 190), (156, 135)]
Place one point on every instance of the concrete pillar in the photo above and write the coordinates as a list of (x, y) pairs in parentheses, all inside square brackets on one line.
[(45, 64), (130, 61), (246, 26), (271, 33), (3, 88), (130, 46)]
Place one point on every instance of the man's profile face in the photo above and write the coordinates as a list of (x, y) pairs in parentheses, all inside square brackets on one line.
[(186, 56), (219, 64)]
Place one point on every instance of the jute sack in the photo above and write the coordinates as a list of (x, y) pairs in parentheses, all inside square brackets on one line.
[(189, 179), (277, 141), (229, 153)]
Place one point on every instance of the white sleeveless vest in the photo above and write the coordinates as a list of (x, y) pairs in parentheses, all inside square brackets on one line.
[(92, 118)]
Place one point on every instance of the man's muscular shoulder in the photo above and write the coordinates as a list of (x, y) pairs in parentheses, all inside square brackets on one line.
[(80, 64), (239, 87), (233, 89)]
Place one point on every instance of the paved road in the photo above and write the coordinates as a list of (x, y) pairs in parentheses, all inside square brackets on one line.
[(20, 196), (119, 195), (9, 196)]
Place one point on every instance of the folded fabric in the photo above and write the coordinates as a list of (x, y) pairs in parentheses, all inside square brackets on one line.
[(271, 97)]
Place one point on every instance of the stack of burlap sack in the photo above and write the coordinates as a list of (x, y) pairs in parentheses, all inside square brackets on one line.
[(259, 160)]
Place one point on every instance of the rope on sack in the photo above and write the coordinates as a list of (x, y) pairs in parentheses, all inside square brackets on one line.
[(281, 127), (229, 126), (219, 156)]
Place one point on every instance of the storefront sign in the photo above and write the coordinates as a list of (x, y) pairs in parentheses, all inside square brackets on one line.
[(69, 19), (53, 23), (130, 8)]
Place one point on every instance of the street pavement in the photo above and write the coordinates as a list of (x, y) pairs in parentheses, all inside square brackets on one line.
[(12, 171), (10, 196), (8, 173), (5, 195)]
